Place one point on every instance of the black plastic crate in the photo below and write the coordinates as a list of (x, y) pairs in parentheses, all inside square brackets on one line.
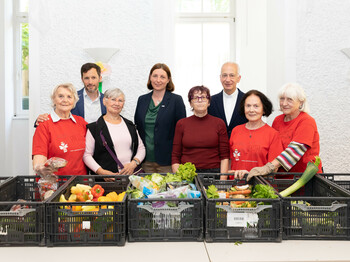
[(3, 179), (342, 180), (105, 226), (320, 210), (24, 227), (182, 222), (226, 224)]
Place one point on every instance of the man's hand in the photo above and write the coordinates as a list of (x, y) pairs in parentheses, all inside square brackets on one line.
[(42, 118), (261, 170)]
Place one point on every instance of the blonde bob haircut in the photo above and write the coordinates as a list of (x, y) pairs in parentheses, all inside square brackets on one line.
[(114, 93), (297, 93), (69, 87)]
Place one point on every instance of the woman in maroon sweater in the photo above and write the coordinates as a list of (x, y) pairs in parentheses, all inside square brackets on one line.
[(201, 138)]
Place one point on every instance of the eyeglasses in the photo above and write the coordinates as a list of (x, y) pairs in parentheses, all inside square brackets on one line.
[(197, 99), (228, 75), (116, 100)]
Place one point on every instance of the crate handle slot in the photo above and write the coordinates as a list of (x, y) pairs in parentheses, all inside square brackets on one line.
[(19, 213), (244, 209), (99, 213), (166, 210), (333, 207)]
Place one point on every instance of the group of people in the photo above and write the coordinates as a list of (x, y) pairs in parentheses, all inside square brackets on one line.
[(226, 133)]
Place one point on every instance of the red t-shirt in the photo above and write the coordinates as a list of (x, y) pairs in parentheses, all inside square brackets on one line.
[(302, 129), (252, 148), (65, 139), (200, 140)]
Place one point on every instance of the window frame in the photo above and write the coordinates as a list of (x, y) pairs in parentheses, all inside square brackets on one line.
[(212, 17), (18, 19)]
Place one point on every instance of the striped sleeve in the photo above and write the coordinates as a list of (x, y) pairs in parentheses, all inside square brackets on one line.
[(291, 155)]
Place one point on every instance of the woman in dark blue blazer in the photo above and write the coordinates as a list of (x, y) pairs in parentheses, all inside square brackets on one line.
[(156, 116)]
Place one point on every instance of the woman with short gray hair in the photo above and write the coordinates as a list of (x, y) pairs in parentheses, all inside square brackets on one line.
[(63, 135), (113, 135)]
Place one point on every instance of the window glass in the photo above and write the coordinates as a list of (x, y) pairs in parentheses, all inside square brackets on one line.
[(23, 5), (189, 6), (206, 6), (21, 53), (203, 43), (222, 6), (24, 66)]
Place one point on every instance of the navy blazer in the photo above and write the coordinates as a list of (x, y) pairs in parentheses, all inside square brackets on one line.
[(79, 107), (171, 110), (216, 108)]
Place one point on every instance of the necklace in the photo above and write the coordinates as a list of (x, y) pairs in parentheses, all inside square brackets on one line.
[(156, 101), (250, 129)]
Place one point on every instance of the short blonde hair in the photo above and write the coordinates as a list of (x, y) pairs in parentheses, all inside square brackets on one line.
[(297, 93), (68, 86)]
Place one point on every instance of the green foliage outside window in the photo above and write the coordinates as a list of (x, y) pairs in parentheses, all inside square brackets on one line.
[(25, 46)]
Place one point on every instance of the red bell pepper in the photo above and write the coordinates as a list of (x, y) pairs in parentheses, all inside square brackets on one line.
[(97, 191)]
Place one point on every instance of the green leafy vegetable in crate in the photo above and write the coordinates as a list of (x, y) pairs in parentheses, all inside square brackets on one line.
[(212, 192), (310, 171), (158, 179), (173, 178), (187, 171), (263, 191)]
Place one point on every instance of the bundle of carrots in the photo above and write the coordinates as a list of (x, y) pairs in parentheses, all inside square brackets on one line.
[(239, 192)]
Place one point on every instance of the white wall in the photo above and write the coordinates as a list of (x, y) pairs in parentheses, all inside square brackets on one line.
[(322, 31), (277, 41), (300, 41)]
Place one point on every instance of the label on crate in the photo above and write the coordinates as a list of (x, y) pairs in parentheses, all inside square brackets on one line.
[(85, 225), (3, 230), (242, 219)]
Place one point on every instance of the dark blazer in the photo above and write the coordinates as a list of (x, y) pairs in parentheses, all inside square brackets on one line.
[(79, 107), (216, 108), (101, 155), (171, 110)]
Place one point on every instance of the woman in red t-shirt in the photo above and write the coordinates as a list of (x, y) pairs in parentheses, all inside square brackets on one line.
[(298, 131), (254, 143), (63, 135)]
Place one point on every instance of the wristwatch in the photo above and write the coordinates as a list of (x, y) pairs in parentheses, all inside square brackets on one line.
[(136, 161)]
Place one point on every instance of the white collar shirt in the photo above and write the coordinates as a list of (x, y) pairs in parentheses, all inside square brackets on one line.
[(56, 118), (229, 105), (92, 109)]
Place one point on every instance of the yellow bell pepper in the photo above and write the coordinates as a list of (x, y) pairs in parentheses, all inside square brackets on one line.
[(104, 199), (113, 195), (72, 198), (75, 190), (121, 197)]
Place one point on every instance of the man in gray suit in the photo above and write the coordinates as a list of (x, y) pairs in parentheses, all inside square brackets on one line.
[(225, 104)]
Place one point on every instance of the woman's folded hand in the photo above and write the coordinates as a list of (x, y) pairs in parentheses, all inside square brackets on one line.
[(128, 168)]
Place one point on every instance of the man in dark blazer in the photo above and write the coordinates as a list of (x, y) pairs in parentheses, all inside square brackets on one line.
[(225, 104), (90, 99)]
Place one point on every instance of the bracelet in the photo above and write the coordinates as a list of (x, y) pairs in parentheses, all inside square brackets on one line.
[(136, 161)]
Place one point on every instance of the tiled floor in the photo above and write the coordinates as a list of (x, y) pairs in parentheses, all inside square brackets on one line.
[(187, 252)]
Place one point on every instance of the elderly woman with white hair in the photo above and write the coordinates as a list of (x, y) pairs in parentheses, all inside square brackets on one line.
[(63, 135), (298, 131), (113, 136)]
